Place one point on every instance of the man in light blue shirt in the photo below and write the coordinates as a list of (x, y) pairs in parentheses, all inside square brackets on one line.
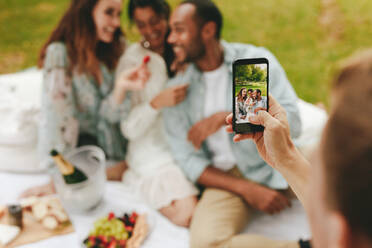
[(261, 101), (235, 177)]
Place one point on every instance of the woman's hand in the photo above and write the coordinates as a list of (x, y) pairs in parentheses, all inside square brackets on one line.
[(170, 97), (133, 79)]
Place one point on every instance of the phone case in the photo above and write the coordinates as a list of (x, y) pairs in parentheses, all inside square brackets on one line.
[(249, 73)]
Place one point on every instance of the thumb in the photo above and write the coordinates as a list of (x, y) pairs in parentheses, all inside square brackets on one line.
[(142, 70), (263, 118), (229, 118), (130, 72)]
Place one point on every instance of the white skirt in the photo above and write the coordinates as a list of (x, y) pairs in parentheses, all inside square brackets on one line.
[(160, 188)]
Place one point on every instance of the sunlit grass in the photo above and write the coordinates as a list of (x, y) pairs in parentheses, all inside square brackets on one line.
[(289, 28)]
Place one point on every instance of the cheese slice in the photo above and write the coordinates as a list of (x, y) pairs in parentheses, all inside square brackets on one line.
[(8, 233)]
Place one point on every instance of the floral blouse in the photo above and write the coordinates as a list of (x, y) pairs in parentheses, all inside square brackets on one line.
[(75, 104)]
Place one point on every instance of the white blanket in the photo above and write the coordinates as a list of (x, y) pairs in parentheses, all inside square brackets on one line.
[(291, 224)]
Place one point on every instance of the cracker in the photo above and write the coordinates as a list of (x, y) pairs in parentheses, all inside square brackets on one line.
[(139, 232)]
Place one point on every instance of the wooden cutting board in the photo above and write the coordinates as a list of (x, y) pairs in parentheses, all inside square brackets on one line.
[(34, 231)]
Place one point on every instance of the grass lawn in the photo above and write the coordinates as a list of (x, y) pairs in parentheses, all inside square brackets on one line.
[(308, 37)]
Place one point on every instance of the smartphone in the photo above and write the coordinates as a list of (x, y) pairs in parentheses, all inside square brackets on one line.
[(250, 92)]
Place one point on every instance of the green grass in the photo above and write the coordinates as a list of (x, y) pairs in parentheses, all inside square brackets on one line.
[(289, 28)]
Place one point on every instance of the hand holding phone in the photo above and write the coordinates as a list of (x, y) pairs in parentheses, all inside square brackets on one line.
[(250, 92), (274, 144)]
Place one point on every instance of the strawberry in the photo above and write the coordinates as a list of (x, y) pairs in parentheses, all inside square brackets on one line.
[(146, 59), (129, 228), (134, 214), (111, 215)]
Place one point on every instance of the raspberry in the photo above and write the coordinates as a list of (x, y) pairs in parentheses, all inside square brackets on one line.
[(132, 219), (146, 59), (111, 215), (92, 240)]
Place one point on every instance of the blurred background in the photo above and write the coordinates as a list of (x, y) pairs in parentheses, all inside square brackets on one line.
[(309, 37)]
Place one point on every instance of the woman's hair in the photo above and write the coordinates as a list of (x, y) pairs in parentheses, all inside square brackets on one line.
[(347, 144), (240, 95), (162, 9), (77, 31)]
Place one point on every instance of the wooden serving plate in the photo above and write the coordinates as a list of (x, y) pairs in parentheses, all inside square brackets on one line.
[(34, 231)]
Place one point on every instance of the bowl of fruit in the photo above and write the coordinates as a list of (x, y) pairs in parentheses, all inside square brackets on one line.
[(118, 231)]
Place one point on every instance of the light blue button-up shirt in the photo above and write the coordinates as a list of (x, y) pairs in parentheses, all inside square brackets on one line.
[(180, 118)]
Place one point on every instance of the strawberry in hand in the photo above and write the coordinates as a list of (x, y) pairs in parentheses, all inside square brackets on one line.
[(146, 59)]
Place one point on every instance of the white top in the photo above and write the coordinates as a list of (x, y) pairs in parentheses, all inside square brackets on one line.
[(153, 172), (216, 83), (147, 148)]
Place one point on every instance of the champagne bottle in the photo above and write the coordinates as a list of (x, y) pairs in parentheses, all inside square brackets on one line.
[(71, 174)]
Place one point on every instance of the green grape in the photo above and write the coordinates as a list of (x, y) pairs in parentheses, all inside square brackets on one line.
[(110, 228), (124, 235)]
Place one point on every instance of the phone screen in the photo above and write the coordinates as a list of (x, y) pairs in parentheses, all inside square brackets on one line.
[(251, 83)]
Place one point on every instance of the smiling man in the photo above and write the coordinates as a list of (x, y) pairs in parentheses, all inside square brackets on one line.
[(236, 179)]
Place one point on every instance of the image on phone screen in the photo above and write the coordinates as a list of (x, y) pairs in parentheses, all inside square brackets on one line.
[(250, 92)]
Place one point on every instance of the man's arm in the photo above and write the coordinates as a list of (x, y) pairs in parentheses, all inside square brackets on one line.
[(201, 130), (215, 178), (256, 195), (296, 171)]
